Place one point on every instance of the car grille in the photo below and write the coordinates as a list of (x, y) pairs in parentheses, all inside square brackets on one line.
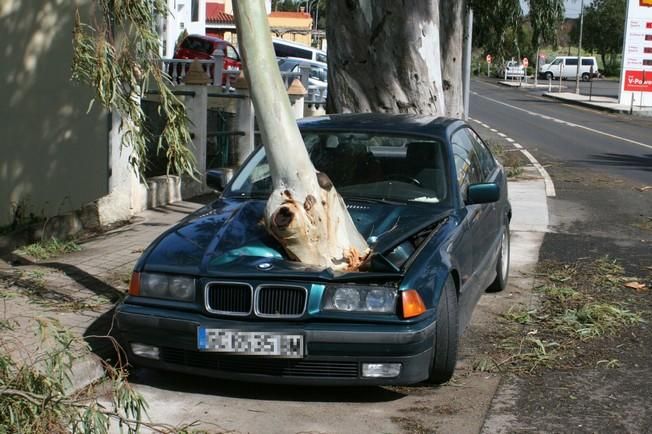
[(280, 301), (229, 298), (272, 301), (260, 365)]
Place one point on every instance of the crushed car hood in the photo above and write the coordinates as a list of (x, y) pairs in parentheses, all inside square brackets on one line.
[(228, 238)]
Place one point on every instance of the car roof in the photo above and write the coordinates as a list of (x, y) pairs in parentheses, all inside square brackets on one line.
[(208, 38), (384, 123)]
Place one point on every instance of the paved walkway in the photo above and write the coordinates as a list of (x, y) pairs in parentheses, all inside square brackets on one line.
[(604, 103), (77, 290)]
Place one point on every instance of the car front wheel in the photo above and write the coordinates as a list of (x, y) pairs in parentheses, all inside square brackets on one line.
[(446, 336), (549, 76), (502, 264)]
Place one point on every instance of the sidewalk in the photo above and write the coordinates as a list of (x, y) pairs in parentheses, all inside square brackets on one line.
[(599, 102), (78, 290), (603, 103)]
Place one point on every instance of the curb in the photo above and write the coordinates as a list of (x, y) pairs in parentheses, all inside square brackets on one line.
[(587, 104)]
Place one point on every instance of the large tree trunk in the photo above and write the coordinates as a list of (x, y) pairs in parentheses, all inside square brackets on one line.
[(451, 37), (304, 211), (384, 56)]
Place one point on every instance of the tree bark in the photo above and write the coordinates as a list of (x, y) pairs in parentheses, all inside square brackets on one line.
[(451, 39), (304, 212), (384, 56)]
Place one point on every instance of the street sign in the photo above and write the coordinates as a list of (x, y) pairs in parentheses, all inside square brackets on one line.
[(489, 58), (525, 62)]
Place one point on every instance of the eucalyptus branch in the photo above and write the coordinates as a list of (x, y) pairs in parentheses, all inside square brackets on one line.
[(119, 57)]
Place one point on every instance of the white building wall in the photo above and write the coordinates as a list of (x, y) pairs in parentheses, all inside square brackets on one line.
[(180, 19)]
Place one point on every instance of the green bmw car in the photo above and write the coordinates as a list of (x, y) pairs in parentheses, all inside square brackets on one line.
[(216, 295)]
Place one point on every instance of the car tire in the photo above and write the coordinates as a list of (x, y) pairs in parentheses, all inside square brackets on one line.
[(446, 336), (586, 76), (549, 76), (502, 264)]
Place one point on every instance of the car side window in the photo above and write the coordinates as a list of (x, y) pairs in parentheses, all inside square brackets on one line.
[(467, 163), (487, 161), (571, 62), (231, 53)]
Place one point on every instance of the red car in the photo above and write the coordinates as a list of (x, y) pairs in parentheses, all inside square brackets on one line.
[(202, 48)]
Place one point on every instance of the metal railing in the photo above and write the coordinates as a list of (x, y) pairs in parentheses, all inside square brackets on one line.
[(177, 70)]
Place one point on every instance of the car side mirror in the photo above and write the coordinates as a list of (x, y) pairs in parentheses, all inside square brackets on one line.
[(216, 179), (487, 192)]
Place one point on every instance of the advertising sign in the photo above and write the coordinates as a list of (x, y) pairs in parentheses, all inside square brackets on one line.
[(636, 75)]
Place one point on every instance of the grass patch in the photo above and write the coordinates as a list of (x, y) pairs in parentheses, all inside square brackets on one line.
[(579, 303), (511, 159), (49, 249)]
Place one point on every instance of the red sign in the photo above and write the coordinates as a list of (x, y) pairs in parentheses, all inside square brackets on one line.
[(648, 25), (489, 58), (525, 62), (638, 81)]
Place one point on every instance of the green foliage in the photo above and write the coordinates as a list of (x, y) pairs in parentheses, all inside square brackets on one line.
[(603, 31), (35, 396), (495, 25), (49, 249), (546, 17), (118, 55)]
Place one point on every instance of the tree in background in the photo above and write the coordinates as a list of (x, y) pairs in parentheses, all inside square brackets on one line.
[(546, 17), (495, 26), (604, 27), (385, 57)]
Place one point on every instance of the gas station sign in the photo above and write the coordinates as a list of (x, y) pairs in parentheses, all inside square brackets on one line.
[(636, 75)]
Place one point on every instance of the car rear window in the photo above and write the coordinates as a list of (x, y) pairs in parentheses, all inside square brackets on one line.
[(197, 44)]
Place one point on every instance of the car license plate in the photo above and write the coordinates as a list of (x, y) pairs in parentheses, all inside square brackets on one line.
[(250, 343)]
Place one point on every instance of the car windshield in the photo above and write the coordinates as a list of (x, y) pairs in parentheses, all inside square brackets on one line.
[(363, 166)]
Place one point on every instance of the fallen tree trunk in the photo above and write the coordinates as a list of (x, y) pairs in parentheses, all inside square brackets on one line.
[(304, 212)]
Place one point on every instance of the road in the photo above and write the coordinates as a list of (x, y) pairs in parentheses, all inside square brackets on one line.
[(601, 165), (554, 132)]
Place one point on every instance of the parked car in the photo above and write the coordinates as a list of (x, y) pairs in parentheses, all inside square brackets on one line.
[(202, 47), (566, 67), (216, 295), (318, 77), (284, 48), (511, 69)]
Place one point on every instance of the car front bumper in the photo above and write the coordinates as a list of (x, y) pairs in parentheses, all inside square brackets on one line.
[(334, 352)]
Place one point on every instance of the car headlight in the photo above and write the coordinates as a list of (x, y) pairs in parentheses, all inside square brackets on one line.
[(354, 298), (164, 286)]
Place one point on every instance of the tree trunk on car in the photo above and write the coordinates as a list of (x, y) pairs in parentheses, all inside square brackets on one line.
[(384, 56), (304, 212)]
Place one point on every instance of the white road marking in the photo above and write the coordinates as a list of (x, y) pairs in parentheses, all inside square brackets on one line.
[(570, 124), (550, 186)]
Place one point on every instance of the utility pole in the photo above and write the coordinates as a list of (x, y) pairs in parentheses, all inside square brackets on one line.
[(466, 66), (579, 51)]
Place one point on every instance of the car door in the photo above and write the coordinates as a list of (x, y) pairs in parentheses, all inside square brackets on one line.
[(468, 170)]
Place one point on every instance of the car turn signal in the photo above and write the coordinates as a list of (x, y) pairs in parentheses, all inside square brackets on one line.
[(412, 304), (134, 284)]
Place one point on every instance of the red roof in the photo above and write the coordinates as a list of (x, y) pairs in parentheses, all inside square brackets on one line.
[(301, 15), (215, 14)]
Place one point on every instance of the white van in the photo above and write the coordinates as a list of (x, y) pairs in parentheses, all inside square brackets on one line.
[(285, 48), (566, 67)]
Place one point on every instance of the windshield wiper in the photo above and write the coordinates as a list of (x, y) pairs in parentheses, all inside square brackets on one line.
[(373, 200)]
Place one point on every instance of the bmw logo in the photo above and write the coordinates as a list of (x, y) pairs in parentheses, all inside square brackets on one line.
[(264, 266)]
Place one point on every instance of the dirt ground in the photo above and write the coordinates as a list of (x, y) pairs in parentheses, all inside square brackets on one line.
[(597, 384)]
